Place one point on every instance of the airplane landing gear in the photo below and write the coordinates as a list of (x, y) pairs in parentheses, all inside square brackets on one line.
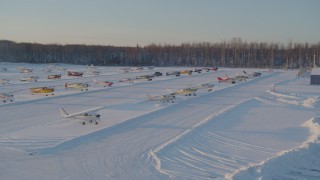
[(83, 123)]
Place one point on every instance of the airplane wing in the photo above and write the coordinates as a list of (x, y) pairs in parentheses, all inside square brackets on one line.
[(66, 115)]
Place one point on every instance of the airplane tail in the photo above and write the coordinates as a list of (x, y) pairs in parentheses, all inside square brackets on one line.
[(63, 112)]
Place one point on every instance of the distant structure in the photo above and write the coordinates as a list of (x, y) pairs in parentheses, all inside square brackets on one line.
[(315, 76), (315, 73)]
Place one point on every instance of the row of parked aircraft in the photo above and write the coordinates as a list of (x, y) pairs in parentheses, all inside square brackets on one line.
[(92, 116), (170, 97), (234, 79)]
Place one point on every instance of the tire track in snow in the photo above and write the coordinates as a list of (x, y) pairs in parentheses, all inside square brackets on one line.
[(153, 153)]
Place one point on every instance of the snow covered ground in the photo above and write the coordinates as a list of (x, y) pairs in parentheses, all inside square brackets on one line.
[(266, 127)]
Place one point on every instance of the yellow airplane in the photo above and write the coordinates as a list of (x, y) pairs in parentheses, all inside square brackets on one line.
[(188, 72), (186, 91), (42, 90)]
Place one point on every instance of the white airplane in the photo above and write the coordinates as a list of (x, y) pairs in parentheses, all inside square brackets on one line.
[(207, 85), (81, 86), (30, 78), (25, 70), (240, 78), (252, 74), (103, 83), (93, 72), (162, 98), (89, 115), (5, 97)]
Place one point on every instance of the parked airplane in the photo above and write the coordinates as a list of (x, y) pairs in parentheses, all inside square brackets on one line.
[(93, 72), (3, 69), (74, 73), (211, 69), (162, 98), (207, 85), (130, 80), (103, 83), (5, 97), (54, 76), (42, 90), (24, 70), (4, 81), (89, 115), (252, 74), (125, 70), (240, 78), (197, 70), (185, 91), (148, 77), (176, 73), (81, 86), (188, 72), (157, 74), (30, 78), (226, 80)]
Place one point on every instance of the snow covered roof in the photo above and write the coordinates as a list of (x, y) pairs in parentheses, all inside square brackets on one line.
[(315, 71)]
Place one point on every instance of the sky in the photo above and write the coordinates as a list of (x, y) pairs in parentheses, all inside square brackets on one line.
[(143, 22)]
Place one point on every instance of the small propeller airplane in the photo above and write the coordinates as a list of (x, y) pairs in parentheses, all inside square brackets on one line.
[(176, 73), (93, 72), (3, 69), (4, 81), (252, 74), (163, 98), (54, 76), (187, 72), (30, 78), (226, 80), (211, 69), (5, 97), (207, 85), (24, 70), (89, 115), (75, 73), (42, 90), (240, 78), (148, 77), (186, 91), (81, 86), (130, 80), (103, 83)]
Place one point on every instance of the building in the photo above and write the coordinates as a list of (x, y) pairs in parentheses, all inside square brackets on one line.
[(315, 76)]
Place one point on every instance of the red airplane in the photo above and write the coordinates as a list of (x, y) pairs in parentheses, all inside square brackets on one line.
[(226, 80), (74, 73)]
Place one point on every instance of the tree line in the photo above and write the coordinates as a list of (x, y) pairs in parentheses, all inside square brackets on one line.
[(233, 53)]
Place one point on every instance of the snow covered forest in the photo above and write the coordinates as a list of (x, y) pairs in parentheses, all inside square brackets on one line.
[(233, 53)]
